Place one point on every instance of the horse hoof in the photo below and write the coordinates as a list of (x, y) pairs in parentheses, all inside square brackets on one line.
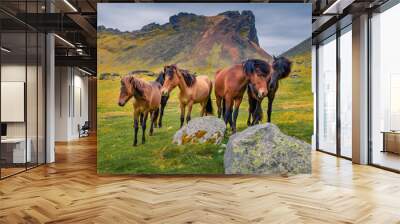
[(134, 145)]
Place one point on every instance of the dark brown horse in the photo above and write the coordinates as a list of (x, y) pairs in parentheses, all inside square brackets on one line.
[(281, 68), (147, 101), (231, 83), (164, 99), (193, 89)]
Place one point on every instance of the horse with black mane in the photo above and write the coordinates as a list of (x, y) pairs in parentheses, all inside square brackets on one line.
[(281, 68), (147, 101), (231, 83), (164, 99), (193, 89)]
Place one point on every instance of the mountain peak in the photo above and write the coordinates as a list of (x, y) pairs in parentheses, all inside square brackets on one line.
[(230, 14), (193, 41)]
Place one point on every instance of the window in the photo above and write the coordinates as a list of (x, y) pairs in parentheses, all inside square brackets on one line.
[(385, 89), (22, 77), (346, 92), (327, 95)]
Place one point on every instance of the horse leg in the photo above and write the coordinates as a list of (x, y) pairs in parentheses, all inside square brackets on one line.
[(136, 127), (164, 100), (189, 112), (256, 113), (236, 112), (269, 111), (219, 100), (203, 109), (250, 114), (182, 113), (144, 127), (223, 106), (141, 119), (251, 111), (154, 116), (228, 112)]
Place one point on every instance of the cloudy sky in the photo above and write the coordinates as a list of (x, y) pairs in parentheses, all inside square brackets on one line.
[(279, 26)]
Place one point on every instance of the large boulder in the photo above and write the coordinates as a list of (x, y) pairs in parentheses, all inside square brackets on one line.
[(264, 149), (208, 129)]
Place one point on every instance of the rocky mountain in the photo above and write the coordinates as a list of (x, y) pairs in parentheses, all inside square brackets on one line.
[(200, 43)]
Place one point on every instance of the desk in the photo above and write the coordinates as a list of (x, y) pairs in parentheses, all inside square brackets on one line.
[(15, 148), (391, 141)]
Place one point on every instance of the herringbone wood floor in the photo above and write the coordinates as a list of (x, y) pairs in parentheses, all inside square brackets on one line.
[(70, 191)]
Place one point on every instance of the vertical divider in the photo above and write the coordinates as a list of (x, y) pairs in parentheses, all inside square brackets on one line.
[(26, 86), (338, 76)]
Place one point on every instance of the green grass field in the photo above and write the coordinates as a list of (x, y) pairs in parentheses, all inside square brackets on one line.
[(292, 112)]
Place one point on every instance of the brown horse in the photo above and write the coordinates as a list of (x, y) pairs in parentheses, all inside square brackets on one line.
[(147, 101), (281, 68), (193, 89), (231, 83)]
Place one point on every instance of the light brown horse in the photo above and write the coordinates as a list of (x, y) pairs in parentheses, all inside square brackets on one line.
[(231, 83), (147, 99), (193, 89)]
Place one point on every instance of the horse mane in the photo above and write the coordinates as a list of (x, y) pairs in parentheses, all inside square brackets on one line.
[(190, 79), (250, 66), (281, 66), (138, 85), (161, 78)]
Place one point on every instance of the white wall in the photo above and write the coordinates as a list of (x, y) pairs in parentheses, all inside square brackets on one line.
[(71, 94)]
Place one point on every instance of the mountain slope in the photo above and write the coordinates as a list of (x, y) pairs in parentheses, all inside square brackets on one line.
[(199, 43), (301, 48)]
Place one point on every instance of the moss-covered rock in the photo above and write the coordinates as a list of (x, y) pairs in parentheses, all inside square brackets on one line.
[(264, 149), (207, 129)]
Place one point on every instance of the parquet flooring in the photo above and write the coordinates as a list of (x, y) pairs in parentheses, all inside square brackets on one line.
[(70, 191)]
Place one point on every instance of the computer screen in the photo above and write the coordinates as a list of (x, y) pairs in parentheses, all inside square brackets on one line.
[(3, 129)]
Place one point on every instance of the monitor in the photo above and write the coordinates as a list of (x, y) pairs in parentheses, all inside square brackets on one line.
[(3, 129)]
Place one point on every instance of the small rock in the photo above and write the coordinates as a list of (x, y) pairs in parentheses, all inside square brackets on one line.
[(208, 129)]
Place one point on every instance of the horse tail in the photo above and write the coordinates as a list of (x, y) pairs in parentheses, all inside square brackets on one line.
[(209, 108)]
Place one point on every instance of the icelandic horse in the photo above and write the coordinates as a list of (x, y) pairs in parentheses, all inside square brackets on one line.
[(193, 89), (147, 100), (281, 68), (231, 83)]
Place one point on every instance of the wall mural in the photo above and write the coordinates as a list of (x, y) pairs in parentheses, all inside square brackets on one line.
[(204, 88)]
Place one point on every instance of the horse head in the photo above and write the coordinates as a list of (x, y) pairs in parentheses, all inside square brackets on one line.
[(126, 92), (171, 79), (130, 87), (258, 71), (281, 68)]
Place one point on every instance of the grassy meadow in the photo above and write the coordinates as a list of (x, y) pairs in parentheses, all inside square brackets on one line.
[(292, 112)]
